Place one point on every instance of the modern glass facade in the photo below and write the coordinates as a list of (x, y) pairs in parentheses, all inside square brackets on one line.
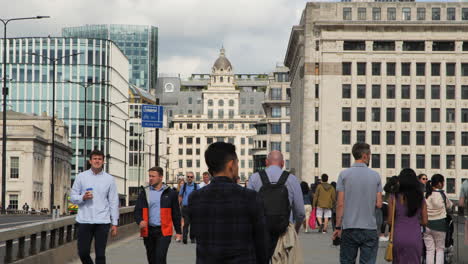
[(138, 43), (30, 87)]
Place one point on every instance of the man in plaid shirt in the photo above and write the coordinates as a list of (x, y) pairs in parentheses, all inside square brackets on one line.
[(227, 219)]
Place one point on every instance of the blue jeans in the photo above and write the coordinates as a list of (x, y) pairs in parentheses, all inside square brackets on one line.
[(365, 240)]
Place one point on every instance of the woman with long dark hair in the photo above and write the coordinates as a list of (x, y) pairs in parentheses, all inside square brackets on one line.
[(434, 237), (410, 213), (307, 204)]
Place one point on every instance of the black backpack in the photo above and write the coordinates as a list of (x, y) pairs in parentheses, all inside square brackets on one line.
[(276, 204)]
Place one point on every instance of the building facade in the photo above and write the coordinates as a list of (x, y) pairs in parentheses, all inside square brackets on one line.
[(138, 43), (91, 84), (394, 75), (28, 169)]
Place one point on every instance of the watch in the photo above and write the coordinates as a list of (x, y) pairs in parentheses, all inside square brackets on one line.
[(338, 227)]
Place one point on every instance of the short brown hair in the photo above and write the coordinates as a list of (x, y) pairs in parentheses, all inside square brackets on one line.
[(359, 149), (96, 152), (159, 170)]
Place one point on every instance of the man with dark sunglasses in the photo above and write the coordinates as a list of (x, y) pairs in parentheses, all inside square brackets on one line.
[(185, 191), (423, 180)]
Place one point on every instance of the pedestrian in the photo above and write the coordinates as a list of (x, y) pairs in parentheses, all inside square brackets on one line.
[(410, 212), (184, 193), (180, 183), (462, 203), (324, 201), (95, 192), (307, 204), (26, 207), (359, 193), (437, 202), (390, 188), (423, 181), (274, 174), (227, 219), (163, 213), (206, 179), (333, 219)]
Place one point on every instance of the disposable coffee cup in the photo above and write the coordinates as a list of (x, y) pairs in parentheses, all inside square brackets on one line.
[(90, 190)]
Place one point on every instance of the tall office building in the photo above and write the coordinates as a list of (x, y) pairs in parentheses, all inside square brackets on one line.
[(138, 43), (392, 74)]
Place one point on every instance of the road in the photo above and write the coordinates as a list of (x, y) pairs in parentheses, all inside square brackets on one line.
[(7, 221)]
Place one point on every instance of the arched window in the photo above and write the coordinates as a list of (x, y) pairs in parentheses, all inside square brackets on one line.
[(221, 102), (221, 79), (210, 102), (231, 102)]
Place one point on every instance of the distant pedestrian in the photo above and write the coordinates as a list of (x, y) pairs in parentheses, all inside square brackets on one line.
[(437, 202), (463, 204), (410, 211), (163, 213), (324, 201), (333, 219), (359, 193), (227, 219), (95, 192), (184, 194), (307, 204), (26, 207), (423, 181), (206, 179)]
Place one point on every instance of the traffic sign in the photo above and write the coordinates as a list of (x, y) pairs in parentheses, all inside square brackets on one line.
[(152, 116)]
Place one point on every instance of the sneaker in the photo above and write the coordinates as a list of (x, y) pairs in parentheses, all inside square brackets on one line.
[(184, 241), (307, 231), (178, 240), (383, 239)]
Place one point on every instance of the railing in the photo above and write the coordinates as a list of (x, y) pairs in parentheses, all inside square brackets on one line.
[(32, 239)]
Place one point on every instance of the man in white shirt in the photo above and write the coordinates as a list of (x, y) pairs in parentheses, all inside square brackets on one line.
[(206, 180)]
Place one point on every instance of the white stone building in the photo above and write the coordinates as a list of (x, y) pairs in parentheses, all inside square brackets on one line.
[(392, 74)]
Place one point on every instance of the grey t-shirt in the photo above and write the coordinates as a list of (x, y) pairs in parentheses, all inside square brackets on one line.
[(360, 186)]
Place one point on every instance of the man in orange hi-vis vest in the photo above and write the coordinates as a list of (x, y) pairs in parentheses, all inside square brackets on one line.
[(162, 205)]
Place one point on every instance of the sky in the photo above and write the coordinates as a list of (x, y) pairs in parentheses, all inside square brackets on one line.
[(255, 33)]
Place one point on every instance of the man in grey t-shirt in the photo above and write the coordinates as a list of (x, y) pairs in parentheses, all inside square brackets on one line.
[(359, 193), (463, 203)]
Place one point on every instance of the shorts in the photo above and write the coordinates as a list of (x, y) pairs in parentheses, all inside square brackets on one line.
[(323, 213)]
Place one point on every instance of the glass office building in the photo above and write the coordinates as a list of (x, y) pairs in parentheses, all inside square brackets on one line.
[(138, 43), (100, 66)]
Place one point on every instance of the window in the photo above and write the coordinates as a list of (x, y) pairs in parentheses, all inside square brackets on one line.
[(435, 138), (316, 136), (317, 114), (420, 115), (276, 112), (420, 91), (231, 114), (198, 140), (287, 128), (197, 151), (464, 91), (465, 157), (361, 68), (443, 46), (376, 91), (189, 139), (14, 167), (406, 13), (361, 91), (390, 114), (391, 13), (420, 69), (464, 115), (209, 140), (346, 90), (464, 13), (450, 115), (390, 161), (361, 136), (420, 161), (405, 161), (210, 113), (405, 69), (450, 161), (317, 90), (405, 138), (413, 46), (346, 160), (383, 45), (450, 69), (405, 92), (346, 68), (231, 102), (346, 114), (209, 126), (450, 13), (435, 115), (450, 185), (181, 140), (347, 13), (421, 13), (376, 13), (275, 93), (220, 113), (405, 115), (435, 161), (276, 128), (189, 151), (435, 69), (220, 102), (391, 91), (375, 161), (390, 137), (375, 114), (450, 91), (420, 138), (361, 114), (13, 203), (275, 146), (450, 138), (189, 163), (346, 137), (435, 13), (210, 102), (391, 68), (435, 91), (375, 138), (464, 138), (464, 69), (354, 45), (376, 68), (362, 13)]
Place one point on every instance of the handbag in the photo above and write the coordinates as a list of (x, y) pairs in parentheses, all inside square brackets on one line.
[(389, 251), (313, 218)]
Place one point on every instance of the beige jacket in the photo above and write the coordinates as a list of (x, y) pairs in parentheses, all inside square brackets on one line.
[(288, 249), (436, 207)]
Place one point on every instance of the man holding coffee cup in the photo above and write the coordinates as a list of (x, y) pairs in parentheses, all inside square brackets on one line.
[(95, 192)]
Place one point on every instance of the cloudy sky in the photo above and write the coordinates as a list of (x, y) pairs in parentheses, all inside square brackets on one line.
[(255, 33)]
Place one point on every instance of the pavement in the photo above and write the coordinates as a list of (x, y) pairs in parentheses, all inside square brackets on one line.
[(7, 221)]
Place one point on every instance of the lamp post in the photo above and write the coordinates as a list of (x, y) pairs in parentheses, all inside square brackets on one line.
[(108, 106), (125, 158), (52, 159), (5, 96), (139, 153)]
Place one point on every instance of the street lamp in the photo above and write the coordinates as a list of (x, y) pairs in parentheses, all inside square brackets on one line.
[(139, 153), (108, 106), (5, 96), (149, 157), (126, 153), (52, 159)]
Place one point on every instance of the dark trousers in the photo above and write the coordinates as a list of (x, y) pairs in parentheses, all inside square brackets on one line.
[(353, 240), (156, 246), (86, 233), (272, 246), (186, 217)]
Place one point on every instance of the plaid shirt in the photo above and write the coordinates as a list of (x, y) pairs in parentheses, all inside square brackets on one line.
[(228, 223)]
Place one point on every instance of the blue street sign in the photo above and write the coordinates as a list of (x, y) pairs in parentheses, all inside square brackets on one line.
[(152, 116)]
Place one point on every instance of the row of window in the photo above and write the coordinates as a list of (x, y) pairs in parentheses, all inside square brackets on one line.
[(275, 128), (211, 126), (420, 114), (405, 137), (221, 101), (406, 13), (406, 161), (405, 91), (405, 69), (190, 164), (412, 45), (209, 140)]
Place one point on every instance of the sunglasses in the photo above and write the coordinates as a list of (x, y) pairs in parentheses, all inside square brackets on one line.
[(424, 179), (190, 177)]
